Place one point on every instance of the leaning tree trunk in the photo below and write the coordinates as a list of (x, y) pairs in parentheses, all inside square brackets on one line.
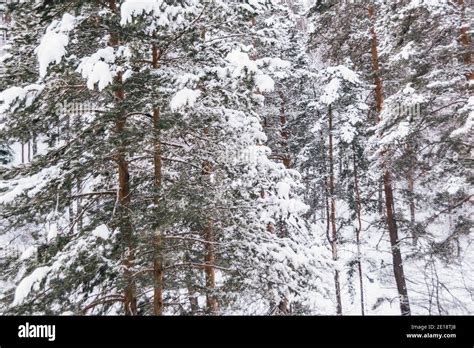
[(387, 182), (411, 203)]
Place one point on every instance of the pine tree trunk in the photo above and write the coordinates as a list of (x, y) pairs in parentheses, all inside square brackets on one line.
[(380, 197), (283, 306), (125, 227), (395, 243), (358, 231), (71, 189), (211, 300), (35, 145), (193, 301), (387, 183), (158, 242), (80, 223), (333, 216), (158, 258), (158, 276), (130, 301), (71, 212), (284, 133), (465, 40), (209, 258), (79, 189), (411, 203)]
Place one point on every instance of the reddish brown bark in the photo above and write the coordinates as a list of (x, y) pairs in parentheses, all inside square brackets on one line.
[(376, 68), (113, 5), (158, 269), (155, 57), (130, 302), (124, 196), (158, 242), (211, 300), (465, 40), (158, 276), (378, 85), (387, 182), (209, 258), (395, 243)]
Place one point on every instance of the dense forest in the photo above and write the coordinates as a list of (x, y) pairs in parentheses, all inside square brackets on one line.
[(223, 157)]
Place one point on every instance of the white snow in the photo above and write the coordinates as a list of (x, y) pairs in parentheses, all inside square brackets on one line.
[(454, 184), (29, 283), (283, 190), (30, 185), (184, 97), (403, 129), (96, 68), (53, 44), (163, 14), (343, 72), (264, 83), (67, 23), (241, 62), (466, 129), (337, 76), (276, 63), (253, 6), (242, 65), (468, 126), (331, 92), (51, 49), (132, 8), (347, 133), (52, 232), (405, 53), (10, 97), (101, 74), (29, 252), (101, 231)]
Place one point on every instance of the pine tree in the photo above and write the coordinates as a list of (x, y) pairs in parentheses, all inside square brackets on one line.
[(245, 157), (173, 112)]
